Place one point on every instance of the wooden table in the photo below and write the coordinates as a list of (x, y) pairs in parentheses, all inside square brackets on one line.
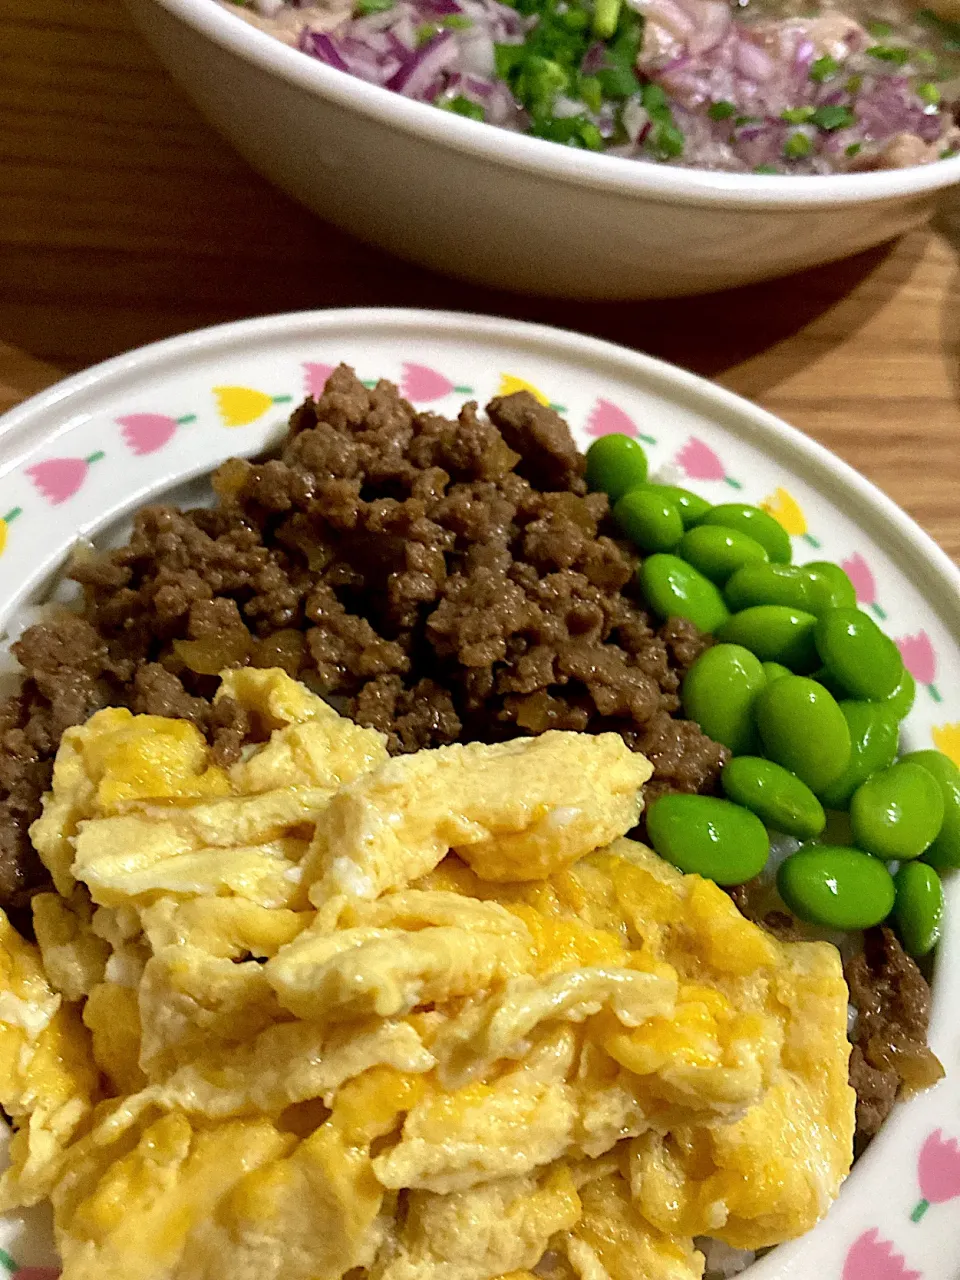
[(124, 218)]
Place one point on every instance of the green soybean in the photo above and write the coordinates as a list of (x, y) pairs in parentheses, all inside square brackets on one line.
[(874, 739), (649, 520), (918, 909), (719, 691), (843, 592), (705, 836), (775, 634), (674, 589), (901, 700), (802, 727), (796, 586), (690, 505), (898, 812), (778, 798), (775, 671), (836, 887), (719, 552), (858, 654), (616, 464), (755, 524), (944, 852)]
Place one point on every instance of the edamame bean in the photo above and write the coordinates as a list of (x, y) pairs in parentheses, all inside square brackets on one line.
[(755, 524), (874, 739), (719, 552), (690, 505), (901, 700), (708, 837), (775, 634), (778, 798), (718, 692), (844, 594), (796, 586), (898, 812), (858, 654), (674, 589), (918, 909), (650, 521), (802, 728), (775, 671), (835, 887), (944, 853), (616, 464)]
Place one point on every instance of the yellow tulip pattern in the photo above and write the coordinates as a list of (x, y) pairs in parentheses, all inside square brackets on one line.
[(785, 509), (239, 406), (5, 524), (509, 384), (946, 738)]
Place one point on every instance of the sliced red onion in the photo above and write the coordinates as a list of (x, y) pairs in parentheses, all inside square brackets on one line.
[(321, 46), (423, 67), (754, 63), (635, 118), (594, 59)]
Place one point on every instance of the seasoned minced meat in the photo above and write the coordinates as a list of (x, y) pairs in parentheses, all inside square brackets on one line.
[(890, 1050), (441, 580)]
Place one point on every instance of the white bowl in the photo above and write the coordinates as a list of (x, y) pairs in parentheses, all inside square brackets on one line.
[(504, 209), (77, 460)]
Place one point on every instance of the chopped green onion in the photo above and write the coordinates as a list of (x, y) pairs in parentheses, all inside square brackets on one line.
[(721, 110), (896, 54), (591, 92), (766, 168), (928, 93), (606, 15), (830, 118), (742, 120), (618, 82), (456, 22), (854, 149), (366, 7), (425, 32), (880, 29), (464, 107), (825, 68), (948, 152), (797, 115), (797, 146), (924, 58), (854, 84)]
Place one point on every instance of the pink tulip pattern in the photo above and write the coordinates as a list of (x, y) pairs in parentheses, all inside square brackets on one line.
[(873, 1258), (858, 571), (921, 661), (315, 378), (147, 432), (938, 1172), (607, 419), (423, 384), (697, 461), (58, 479)]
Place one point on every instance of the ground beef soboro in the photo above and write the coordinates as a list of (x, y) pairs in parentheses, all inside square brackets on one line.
[(890, 1053), (440, 580)]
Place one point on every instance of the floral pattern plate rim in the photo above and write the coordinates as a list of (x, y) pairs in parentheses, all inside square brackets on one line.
[(76, 460)]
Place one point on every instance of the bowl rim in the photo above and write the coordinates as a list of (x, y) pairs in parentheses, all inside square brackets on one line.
[(616, 174)]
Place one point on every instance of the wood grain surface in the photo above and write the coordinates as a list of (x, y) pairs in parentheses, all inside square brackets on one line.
[(124, 219)]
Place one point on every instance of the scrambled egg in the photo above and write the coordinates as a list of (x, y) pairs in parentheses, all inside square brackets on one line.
[(267, 1000)]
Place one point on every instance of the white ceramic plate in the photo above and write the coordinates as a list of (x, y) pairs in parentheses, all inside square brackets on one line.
[(76, 460)]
